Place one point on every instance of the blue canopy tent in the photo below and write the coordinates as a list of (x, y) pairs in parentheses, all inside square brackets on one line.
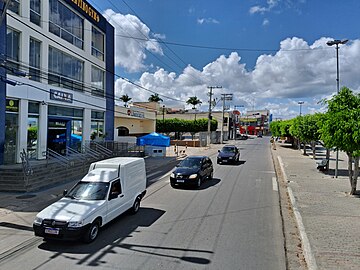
[(155, 144), (154, 139)]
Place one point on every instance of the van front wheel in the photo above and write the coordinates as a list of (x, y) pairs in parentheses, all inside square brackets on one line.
[(136, 206), (93, 232)]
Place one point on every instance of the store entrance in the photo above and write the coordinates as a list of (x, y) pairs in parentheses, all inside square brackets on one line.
[(58, 135)]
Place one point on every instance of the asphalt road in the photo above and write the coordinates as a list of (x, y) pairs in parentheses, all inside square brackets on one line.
[(231, 222)]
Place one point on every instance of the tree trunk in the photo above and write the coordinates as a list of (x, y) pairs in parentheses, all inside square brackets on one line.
[(355, 175), (304, 149), (327, 158), (313, 147), (351, 178)]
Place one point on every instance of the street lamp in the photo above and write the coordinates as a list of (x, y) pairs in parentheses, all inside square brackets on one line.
[(336, 42), (163, 113), (300, 103)]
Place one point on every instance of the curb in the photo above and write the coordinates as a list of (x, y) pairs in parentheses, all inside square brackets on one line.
[(308, 255)]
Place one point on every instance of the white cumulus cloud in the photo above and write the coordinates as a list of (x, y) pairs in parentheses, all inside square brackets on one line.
[(132, 40)]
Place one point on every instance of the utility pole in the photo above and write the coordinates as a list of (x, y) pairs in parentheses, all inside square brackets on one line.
[(209, 115), (224, 97)]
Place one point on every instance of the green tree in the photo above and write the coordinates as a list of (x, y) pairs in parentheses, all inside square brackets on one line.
[(193, 101), (155, 98), (341, 129), (125, 98)]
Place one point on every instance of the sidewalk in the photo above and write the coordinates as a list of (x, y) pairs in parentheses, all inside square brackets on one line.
[(327, 217)]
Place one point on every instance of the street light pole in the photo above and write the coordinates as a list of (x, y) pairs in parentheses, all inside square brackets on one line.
[(300, 103), (336, 42), (163, 113), (209, 115)]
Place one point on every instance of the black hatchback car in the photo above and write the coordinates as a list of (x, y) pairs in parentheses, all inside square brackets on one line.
[(228, 154), (192, 170)]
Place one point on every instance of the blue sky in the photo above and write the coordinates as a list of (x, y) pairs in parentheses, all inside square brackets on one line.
[(269, 54)]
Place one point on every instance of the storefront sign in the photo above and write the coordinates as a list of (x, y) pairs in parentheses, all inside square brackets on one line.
[(84, 6), (12, 105), (136, 114), (61, 96)]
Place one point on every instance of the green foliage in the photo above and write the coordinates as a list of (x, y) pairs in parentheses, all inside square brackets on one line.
[(305, 128), (193, 101), (155, 98), (180, 125), (340, 126), (125, 98)]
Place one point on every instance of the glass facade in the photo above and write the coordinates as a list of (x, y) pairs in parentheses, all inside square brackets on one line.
[(97, 81), (35, 12), (12, 51), (66, 24), (65, 71), (97, 44), (97, 124), (33, 128), (11, 130), (14, 6), (34, 60)]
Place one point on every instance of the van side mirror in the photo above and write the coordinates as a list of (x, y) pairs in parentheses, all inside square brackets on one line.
[(218, 151)]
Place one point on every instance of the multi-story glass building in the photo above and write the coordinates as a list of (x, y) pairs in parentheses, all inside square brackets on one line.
[(56, 77)]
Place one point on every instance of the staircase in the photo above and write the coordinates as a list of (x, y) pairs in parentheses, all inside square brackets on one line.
[(34, 175)]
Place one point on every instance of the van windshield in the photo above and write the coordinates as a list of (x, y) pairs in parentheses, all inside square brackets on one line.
[(89, 191)]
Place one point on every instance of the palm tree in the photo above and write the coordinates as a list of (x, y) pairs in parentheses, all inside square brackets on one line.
[(125, 98), (193, 101), (155, 98)]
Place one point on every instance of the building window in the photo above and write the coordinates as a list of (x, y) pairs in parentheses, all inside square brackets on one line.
[(12, 51), (35, 12), (97, 82), (14, 6), (97, 44), (11, 130), (33, 127), (66, 24), (65, 71), (97, 125), (34, 60)]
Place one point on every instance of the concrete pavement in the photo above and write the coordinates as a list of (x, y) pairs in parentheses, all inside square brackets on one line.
[(327, 218)]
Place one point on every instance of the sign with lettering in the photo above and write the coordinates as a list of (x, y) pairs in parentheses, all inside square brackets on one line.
[(136, 114), (61, 96), (12, 105)]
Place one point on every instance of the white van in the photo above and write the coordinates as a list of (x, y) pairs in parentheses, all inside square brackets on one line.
[(110, 188)]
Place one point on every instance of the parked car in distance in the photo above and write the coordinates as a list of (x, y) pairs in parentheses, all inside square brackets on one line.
[(192, 170), (228, 154), (242, 137), (110, 188)]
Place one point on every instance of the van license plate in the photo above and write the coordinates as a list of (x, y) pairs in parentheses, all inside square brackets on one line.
[(180, 181), (52, 231)]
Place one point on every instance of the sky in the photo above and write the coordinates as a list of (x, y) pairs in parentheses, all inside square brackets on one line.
[(270, 54)]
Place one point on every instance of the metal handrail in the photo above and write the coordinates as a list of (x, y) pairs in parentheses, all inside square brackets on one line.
[(102, 149), (72, 152), (51, 154), (90, 152)]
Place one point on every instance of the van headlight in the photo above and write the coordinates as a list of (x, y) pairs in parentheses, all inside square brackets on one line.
[(172, 175), (193, 176), (75, 224), (38, 221)]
